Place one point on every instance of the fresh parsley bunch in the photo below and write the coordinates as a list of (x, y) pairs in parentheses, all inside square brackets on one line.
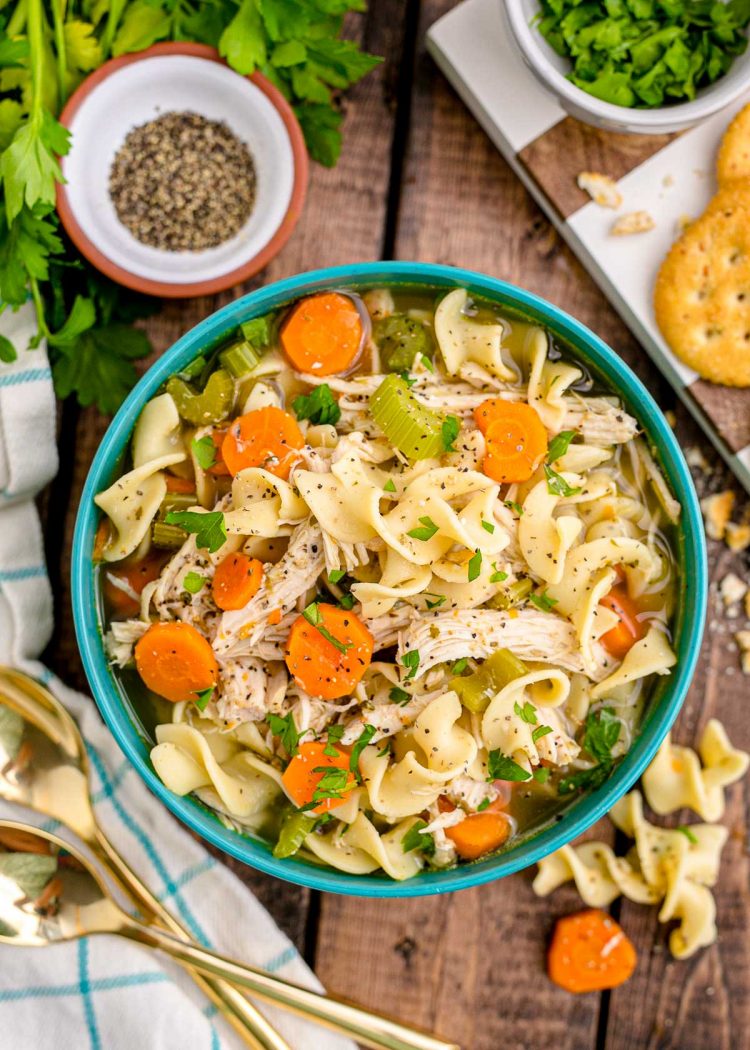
[(46, 48), (645, 53)]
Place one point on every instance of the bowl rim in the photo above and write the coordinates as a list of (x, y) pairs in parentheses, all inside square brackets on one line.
[(577, 817), (663, 119), (249, 267)]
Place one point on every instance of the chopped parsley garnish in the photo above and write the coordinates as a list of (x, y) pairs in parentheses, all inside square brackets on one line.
[(500, 767), (204, 451), (475, 565), (516, 507), (346, 601), (408, 379), (498, 576), (488, 526), (204, 697), (688, 833), (425, 533), (390, 485), (543, 601), (460, 666), (415, 839), (399, 696), (334, 735), (332, 783), (449, 432), (193, 582), (314, 617), (286, 730), (558, 446), (602, 731), (362, 741), (527, 713), (540, 731), (336, 574), (319, 406), (435, 600), (541, 775), (427, 362), (209, 527), (385, 749), (411, 661), (557, 485), (483, 804)]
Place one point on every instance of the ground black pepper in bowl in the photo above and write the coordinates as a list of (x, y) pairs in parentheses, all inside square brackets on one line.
[(182, 182)]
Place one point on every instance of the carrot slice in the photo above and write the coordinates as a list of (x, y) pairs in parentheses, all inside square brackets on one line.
[(267, 437), (589, 952), (622, 637), (175, 484), (323, 334), (101, 539), (219, 469), (304, 773), (134, 576), (236, 580), (325, 668), (515, 436), (479, 832), (175, 661)]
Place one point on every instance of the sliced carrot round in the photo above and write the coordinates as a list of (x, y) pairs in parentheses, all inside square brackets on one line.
[(302, 777), (175, 661), (589, 952), (323, 334), (267, 437), (516, 439), (479, 833), (123, 582), (219, 469), (328, 659), (621, 638), (236, 580)]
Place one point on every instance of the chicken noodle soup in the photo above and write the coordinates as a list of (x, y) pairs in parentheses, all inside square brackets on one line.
[(389, 577)]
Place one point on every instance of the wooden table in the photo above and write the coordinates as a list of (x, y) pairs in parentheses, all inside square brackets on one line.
[(418, 179)]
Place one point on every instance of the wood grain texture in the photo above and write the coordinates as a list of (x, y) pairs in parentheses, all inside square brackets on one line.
[(556, 158), (728, 408)]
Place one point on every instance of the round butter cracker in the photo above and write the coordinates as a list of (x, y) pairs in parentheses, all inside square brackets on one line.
[(702, 292), (733, 161)]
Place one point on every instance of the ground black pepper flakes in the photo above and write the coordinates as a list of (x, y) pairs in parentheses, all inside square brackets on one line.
[(182, 182)]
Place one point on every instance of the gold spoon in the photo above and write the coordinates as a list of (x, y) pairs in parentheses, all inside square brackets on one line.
[(44, 765), (54, 895)]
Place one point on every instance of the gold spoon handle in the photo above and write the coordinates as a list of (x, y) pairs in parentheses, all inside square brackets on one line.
[(246, 1020), (370, 1029)]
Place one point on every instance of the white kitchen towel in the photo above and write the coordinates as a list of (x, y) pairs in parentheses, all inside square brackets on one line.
[(103, 993)]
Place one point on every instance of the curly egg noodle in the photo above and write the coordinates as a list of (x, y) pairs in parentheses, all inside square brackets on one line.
[(446, 579)]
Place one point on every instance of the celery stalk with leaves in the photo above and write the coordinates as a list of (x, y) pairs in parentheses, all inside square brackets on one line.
[(47, 47)]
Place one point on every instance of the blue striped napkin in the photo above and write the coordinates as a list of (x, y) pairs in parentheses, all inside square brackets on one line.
[(103, 993)]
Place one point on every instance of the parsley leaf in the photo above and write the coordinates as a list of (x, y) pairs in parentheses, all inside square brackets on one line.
[(688, 833), (411, 660), (334, 735), (193, 582), (204, 451), (483, 804), (333, 782), (208, 526), (97, 366), (415, 839), (449, 432), (203, 697), (488, 526), (314, 617), (426, 533), (602, 733), (361, 743), (336, 574), (319, 406), (557, 485), (543, 601), (390, 485), (498, 576), (460, 666), (541, 774), (287, 730), (500, 767), (475, 565), (515, 507), (434, 601), (399, 696), (558, 446), (527, 712), (539, 732)]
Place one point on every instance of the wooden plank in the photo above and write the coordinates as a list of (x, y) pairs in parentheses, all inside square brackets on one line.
[(343, 220)]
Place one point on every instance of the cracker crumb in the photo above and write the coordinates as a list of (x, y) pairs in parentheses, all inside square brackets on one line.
[(717, 510), (732, 590), (633, 222), (601, 188), (737, 537), (743, 643)]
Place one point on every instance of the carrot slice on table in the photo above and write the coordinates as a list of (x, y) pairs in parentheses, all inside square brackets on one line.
[(236, 580), (303, 776), (515, 436), (124, 583), (175, 661), (622, 637), (323, 334), (589, 952), (267, 437), (175, 484), (479, 832), (328, 658)]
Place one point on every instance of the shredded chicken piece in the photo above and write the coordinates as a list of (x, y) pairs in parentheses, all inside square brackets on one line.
[(120, 639), (248, 688)]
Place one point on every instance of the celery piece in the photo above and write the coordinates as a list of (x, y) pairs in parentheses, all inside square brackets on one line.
[(511, 595), (257, 331), (176, 501), (211, 405), (399, 339), (295, 828), (194, 369), (476, 690), (167, 537), (409, 426), (239, 360)]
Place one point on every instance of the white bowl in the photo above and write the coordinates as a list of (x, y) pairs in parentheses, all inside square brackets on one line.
[(550, 69), (132, 90)]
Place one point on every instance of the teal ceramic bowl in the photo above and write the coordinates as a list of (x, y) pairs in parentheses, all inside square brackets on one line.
[(666, 698)]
